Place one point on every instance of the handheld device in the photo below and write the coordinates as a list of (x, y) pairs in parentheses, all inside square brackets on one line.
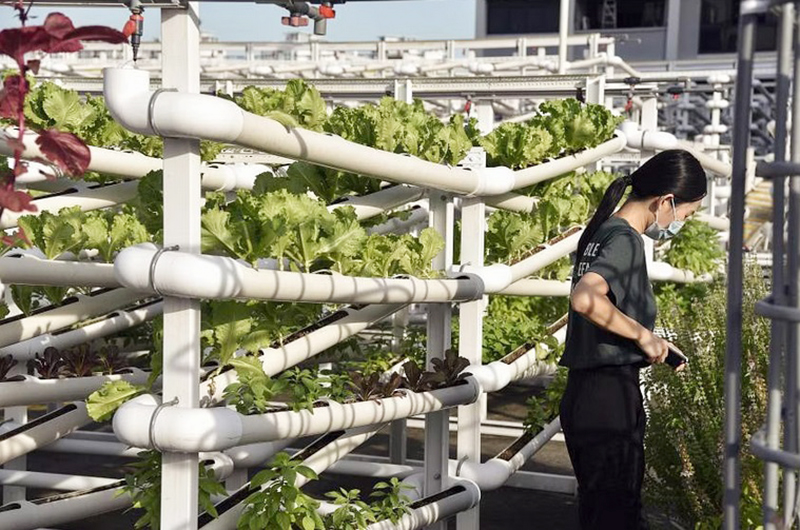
[(676, 358)]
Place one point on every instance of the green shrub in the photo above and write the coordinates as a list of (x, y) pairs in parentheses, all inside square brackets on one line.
[(684, 441)]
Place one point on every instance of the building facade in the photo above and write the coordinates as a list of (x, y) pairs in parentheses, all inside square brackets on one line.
[(647, 30)]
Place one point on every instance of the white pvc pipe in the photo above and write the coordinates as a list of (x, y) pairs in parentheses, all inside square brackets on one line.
[(93, 198), (186, 275), (513, 202), (537, 287), (498, 277), (25, 515), (368, 206), (27, 269), (117, 322), (495, 472), (717, 223), (373, 469), (108, 161), (396, 225), (560, 166), (545, 257), (16, 329), (133, 105), (660, 141), (218, 177), (276, 360), (429, 513), (215, 429), (34, 391), (660, 271), (34, 479), (42, 431), (91, 447)]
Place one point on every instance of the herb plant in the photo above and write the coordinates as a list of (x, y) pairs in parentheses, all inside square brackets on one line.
[(277, 502)]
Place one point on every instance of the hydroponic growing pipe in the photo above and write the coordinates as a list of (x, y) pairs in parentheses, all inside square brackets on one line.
[(132, 165), (214, 429), (367, 206), (175, 114), (68, 313), (310, 341), (78, 505), (116, 322), (27, 269), (460, 496), (33, 391), (174, 273), (42, 431), (59, 509), (88, 198)]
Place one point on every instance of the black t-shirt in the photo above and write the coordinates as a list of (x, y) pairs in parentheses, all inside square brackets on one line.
[(615, 252)]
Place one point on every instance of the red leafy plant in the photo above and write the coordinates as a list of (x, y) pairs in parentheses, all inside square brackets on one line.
[(65, 150)]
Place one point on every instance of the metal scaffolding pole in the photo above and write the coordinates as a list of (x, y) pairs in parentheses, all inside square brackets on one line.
[(733, 352), (774, 401)]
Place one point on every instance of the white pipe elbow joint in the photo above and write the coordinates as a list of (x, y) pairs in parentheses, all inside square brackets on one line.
[(490, 475), (639, 139), (495, 277), (494, 181), (163, 113), (718, 104), (492, 377), (132, 266), (182, 430)]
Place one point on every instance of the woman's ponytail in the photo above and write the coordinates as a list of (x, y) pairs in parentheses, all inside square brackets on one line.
[(611, 198)]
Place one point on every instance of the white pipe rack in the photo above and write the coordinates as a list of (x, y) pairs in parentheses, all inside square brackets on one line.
[(198, 116), (180, 274), (368, 206)]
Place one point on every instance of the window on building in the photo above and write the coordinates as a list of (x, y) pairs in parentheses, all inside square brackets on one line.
[(719, 25), (505, 17), (611, 14)]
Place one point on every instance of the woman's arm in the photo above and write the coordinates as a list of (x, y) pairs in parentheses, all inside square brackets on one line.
[(590, 299)]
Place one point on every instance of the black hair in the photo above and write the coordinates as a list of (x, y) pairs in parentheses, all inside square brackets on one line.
[(675, 172)]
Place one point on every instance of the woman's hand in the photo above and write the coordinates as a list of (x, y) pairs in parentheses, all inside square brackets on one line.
[(654, 347)]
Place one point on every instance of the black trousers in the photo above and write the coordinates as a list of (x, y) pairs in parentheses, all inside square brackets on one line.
[(603, 420)]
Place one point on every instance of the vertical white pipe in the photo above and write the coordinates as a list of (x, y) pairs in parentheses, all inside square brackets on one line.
[(563, 34), (437, 432), (470, 343), (181, 70)]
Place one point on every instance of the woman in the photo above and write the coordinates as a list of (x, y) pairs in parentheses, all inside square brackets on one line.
[(610, 336)]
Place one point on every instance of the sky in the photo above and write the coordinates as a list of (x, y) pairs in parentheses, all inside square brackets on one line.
[(245, 21)]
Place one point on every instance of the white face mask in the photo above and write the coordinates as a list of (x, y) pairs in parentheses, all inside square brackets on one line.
[(655, 231)]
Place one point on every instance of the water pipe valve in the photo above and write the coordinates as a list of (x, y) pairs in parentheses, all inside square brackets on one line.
[(134, 27)]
